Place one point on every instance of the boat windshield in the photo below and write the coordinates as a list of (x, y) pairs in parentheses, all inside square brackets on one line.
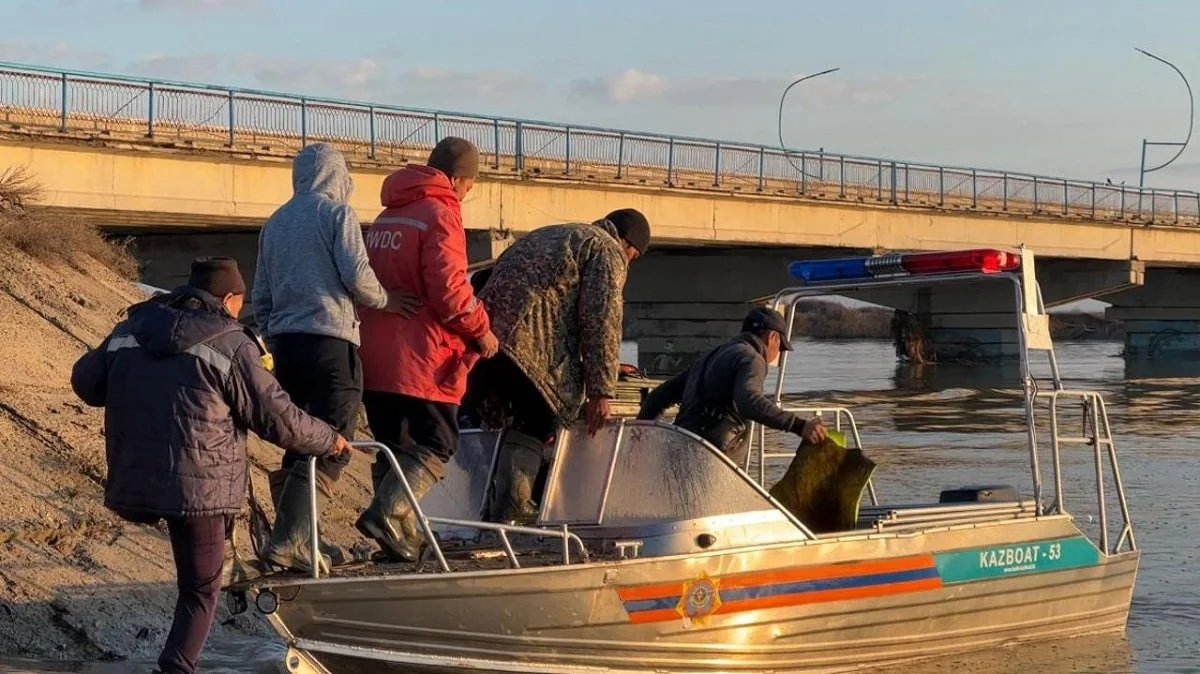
[(641, 472)]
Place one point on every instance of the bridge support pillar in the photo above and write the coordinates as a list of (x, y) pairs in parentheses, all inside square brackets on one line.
[(977, 322), (974, 322), (681, 302), (166, 259), (1162, 318), (487, 244)]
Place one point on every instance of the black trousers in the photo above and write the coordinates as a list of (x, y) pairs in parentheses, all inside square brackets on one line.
[(323, 376), (198, 545), (425, 430), (499, 394)]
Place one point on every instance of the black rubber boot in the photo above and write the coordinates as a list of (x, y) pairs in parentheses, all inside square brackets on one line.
[(516, 472), (390, 520)]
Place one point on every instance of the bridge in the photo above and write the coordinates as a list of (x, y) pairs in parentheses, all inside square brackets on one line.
[(191, 168)]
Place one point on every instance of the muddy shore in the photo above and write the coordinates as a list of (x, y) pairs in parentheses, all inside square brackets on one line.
[(77, 583)]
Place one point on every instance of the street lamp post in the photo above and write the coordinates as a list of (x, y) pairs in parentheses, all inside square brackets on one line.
[(782, 98), (1179, 144)]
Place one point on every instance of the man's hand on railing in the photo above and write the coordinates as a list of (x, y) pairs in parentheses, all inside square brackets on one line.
[(597, 411), (341, 447)]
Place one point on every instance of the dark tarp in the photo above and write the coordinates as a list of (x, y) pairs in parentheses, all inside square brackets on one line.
[(824, 485)]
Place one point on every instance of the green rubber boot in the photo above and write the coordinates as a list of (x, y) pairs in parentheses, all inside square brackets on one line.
[(516, 472), (291, 537), (390, 520)]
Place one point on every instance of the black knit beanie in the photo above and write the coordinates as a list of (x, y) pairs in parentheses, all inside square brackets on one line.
[(217, 276), (633, 227), (456, 157)]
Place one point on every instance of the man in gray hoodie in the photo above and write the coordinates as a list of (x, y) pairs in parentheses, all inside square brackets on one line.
[(312, 270)]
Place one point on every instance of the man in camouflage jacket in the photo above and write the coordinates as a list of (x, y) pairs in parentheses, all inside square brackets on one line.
[(555, 303)]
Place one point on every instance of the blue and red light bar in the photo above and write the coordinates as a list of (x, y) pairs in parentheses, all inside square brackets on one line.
[(983, 261)]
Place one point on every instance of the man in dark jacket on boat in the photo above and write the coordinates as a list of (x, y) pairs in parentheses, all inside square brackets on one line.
[(721, 392), (181, 382), (555, 298)]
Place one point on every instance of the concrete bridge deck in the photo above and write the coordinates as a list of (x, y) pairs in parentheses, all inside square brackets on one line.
[(157, 157)]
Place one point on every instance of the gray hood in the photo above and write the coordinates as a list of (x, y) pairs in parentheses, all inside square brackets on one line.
[(320, 169)]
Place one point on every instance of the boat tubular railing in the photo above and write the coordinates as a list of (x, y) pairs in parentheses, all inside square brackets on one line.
[(1097, 434), (1029, 305), (426, 522)]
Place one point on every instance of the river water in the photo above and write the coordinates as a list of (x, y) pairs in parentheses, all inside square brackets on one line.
[(945, 426)]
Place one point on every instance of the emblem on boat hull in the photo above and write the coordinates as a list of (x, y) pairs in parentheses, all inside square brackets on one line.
[(700, 599)]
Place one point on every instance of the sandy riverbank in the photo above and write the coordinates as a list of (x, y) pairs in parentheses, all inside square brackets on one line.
[(75, 581)]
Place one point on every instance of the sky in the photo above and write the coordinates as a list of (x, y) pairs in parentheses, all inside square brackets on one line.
[(1053, 88)]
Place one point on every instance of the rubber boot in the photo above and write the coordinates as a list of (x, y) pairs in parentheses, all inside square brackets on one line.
[(291, 536), (516, 472), (276, 479), (390, 520)]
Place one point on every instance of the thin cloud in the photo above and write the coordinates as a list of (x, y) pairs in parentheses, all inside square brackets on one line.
[(627, 86), (373, 78), (57, 54), (634, 85), (196, 4)]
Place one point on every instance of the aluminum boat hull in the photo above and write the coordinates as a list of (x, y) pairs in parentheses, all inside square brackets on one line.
[(829, 605)]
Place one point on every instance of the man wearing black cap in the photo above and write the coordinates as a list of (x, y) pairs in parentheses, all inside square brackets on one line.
[(182, 382), (719, 394), (555, 299), (415, 368)]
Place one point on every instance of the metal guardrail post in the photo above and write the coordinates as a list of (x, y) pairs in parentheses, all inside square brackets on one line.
[(907, 177), (1093, 201), (232, 119), (671, 162), (842, 176), (1122, 203), (1152, 205), (150, 112), (620, 154), (437, 132), (62, 124), (717, 167), (518, 155), (1066, 199), (568, 152), (496, 141), (371, 124), (893, 182), (803, 175), (1004, 197), (974, 189), (1035, 194), (941, 186), (879, 180), (762, 168), (303, 123)]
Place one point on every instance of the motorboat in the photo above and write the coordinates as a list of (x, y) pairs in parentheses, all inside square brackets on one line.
[(653, 552)]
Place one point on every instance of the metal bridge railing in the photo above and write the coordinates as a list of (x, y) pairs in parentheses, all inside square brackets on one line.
[(119, 106)]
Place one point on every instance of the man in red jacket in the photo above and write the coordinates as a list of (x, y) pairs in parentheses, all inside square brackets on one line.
[(415, 369)]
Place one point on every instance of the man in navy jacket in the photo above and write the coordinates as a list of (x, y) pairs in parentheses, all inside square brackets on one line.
[(181, 382)]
